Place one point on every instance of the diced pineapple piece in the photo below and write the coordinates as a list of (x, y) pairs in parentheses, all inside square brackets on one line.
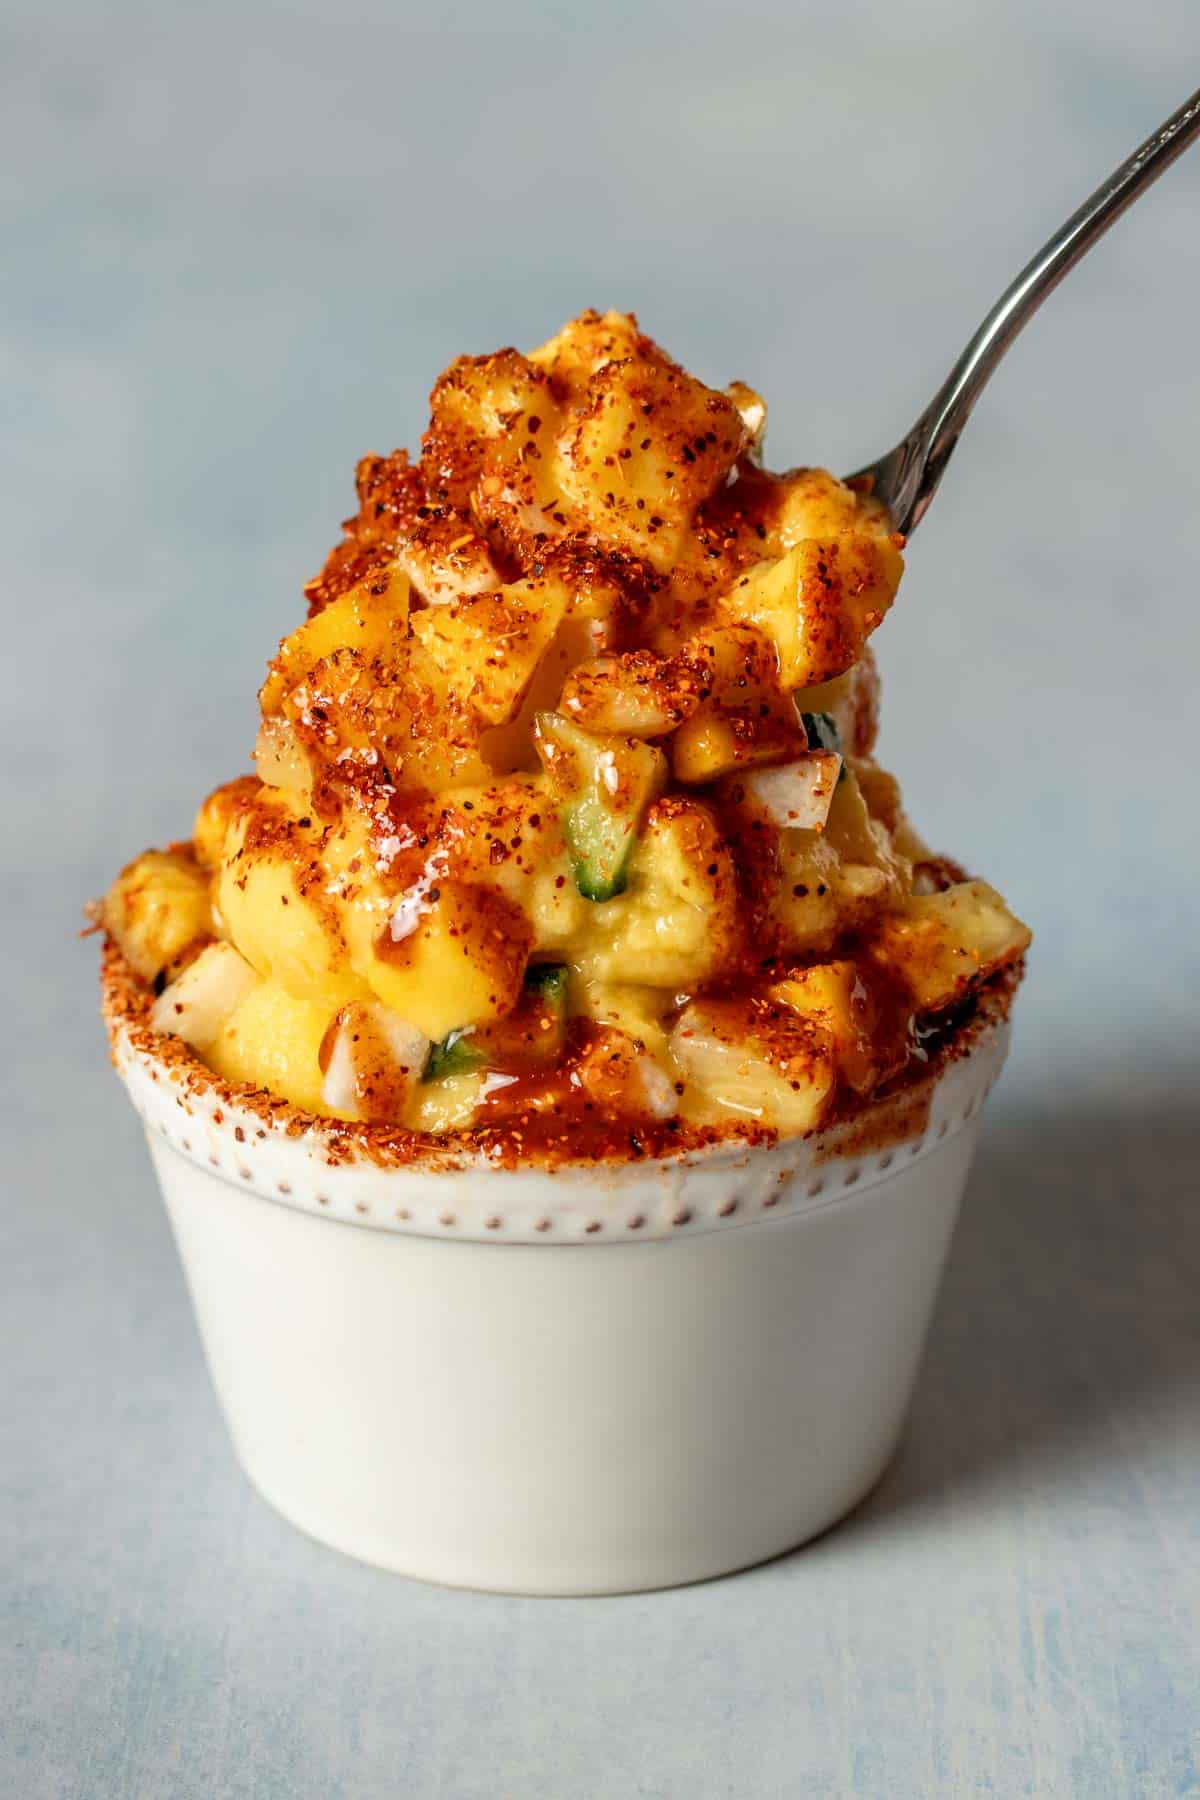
[(369, 618), (646, 447), (197, 1003), (157, 908), (461, 961), (940, 945), (757, 1060), (275, 908), (676, 925), (372, 1060), (487, 649), (834, 997), (819, 603), (272, 1039)]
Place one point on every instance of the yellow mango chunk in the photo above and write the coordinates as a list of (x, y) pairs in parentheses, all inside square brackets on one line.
[(272, 1039), (482, 447), (478, 396), (855, 835), (638, 694), (486, 649), (756, 1060), (459, 962), (217, 814), (676, 923), (583, 346), (636, 1011), (819, 603), (743, 718), (815, 504), (804, 908), (833, 997), (509, 749), (649, 444), (157, 908), (710, 744), (940, 945), (445, 1105), (368, 618), (290, 936)]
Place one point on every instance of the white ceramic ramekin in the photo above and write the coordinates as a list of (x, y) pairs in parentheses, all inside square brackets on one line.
[(582, 1381)]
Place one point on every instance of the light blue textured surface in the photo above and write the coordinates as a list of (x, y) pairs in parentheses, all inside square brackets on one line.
[(239, 243)]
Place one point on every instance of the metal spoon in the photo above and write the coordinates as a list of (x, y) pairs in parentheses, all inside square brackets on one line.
[(906, 478)]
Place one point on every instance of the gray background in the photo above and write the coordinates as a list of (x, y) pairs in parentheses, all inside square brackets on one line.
[(239, 242)]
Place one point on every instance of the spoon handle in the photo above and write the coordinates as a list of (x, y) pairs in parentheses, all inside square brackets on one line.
[(907, 478)]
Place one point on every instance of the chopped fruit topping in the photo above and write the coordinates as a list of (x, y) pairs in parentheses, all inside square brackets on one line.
[(566, 815)]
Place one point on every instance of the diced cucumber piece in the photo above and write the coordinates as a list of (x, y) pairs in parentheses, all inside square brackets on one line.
[(822, 734), (534, 1032), (607, 783), (600, 847), (537, 1029), (455, 1054), (549, 982), (821, 731)]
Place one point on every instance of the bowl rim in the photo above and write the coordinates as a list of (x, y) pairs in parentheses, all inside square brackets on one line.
[(262, 1146)]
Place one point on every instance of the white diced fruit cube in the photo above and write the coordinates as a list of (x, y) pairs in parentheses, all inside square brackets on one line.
[(197, 1003)]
